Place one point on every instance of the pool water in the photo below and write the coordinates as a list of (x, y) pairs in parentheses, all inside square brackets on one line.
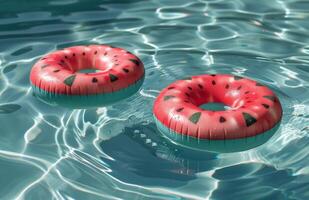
[(116, 152)]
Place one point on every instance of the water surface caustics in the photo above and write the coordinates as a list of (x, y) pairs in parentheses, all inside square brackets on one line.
[(116, 152)]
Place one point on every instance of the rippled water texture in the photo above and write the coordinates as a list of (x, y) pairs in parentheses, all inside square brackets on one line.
[(116, 152)]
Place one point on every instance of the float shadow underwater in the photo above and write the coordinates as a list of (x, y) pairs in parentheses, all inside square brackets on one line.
[(152, 160), (141, 155)]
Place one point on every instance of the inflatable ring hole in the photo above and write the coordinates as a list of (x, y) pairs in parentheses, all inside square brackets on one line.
[(89, 71), (214, 106), (94, 69), (89, 60)]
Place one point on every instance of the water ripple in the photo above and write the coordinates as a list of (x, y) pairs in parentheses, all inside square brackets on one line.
[(116, 152)]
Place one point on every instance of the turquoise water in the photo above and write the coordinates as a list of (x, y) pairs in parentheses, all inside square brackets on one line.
[(116, 152)]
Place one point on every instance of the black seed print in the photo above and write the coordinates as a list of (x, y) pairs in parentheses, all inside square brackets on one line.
[(170, 88), (84, 53), (272, 98), (213, 82), (105, 53), (239, 88), (74, 54), (222, 119), (66, 57), (94, 80), (227, 86), (200, 86), (259, 84), (186, 101), (247, 92), (96, 52), (125, 70), (212, 74), (43, 59), (265, 105), (248, 119), (136, 62), (168, 97), (43, 66), (57, 70), (179, 109), (187, 94)]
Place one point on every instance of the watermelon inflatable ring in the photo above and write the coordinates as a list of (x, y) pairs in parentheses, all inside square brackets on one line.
[(87, 76), (252, 117)]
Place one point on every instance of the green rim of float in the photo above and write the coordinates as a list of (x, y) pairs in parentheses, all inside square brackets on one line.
[(86, 101), (220, 146)]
